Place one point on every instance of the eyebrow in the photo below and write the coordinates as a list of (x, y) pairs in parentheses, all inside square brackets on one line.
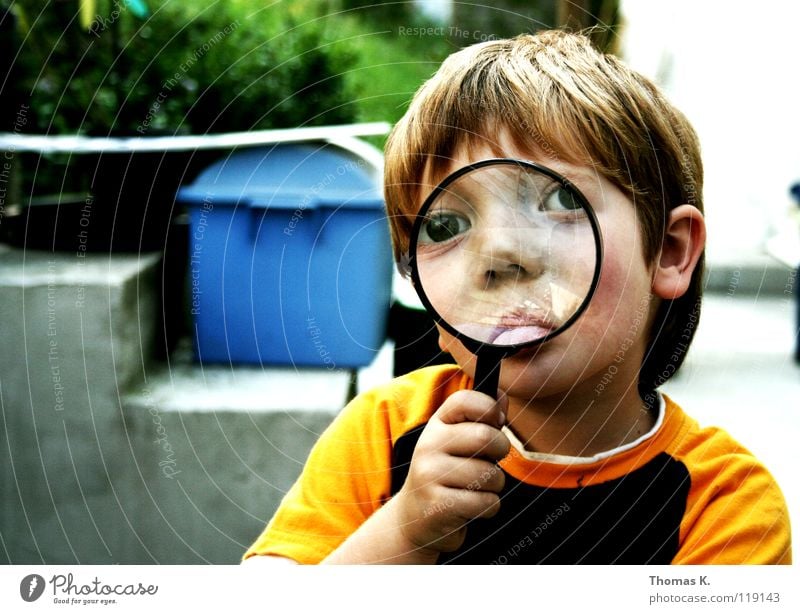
[(579, 173)]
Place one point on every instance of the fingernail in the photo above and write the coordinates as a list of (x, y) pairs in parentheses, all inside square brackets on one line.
[(502, 418)]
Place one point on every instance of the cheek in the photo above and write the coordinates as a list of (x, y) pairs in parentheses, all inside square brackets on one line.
[(624, 272), (620, 305), (616, 281), (448, 343), (451, 345), (441, 280)]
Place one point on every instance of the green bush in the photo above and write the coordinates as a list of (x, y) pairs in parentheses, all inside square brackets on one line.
[(186, 67), (194, 68)]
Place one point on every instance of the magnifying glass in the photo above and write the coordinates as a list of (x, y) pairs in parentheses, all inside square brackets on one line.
[(505, 254)]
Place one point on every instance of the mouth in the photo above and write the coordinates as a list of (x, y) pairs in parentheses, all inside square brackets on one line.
[(523, 324), (519, 335), (517, 327)]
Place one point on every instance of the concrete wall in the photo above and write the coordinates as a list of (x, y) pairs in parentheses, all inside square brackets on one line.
[(109, 457), (217, 448)]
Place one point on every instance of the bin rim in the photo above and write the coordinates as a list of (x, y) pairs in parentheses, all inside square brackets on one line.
[(282, 199)]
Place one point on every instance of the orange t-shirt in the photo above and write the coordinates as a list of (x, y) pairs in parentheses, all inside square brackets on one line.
[(680, 494)]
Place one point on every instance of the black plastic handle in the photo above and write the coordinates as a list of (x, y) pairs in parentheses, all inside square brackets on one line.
[(487, 372)]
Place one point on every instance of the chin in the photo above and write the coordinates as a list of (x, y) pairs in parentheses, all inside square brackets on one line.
[(538, 374), (522, 377)]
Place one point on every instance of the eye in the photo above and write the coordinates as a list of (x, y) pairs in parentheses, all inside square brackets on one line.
[(443, 226), (561, 199)]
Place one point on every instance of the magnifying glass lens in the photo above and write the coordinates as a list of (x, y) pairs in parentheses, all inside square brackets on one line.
[(506, 253)]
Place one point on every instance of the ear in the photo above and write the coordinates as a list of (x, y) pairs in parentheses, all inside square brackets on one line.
[(684, 241)]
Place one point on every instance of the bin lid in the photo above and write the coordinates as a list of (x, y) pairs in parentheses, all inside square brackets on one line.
[(287, 176)]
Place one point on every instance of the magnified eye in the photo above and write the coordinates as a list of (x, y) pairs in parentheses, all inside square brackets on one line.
[(561, 199), (443, 226)]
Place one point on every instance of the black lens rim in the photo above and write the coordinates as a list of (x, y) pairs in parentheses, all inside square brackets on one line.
[(473, 345)]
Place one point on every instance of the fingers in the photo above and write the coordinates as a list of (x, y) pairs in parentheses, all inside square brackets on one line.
[(477, 504), (461, 506), (471, 474), (467, 439), (472, 406), (453, 477), (468, 424)]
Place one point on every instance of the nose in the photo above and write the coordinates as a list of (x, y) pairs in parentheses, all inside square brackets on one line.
[(510, 255)]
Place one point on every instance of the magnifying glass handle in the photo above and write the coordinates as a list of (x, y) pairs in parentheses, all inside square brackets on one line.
[(487, 373)]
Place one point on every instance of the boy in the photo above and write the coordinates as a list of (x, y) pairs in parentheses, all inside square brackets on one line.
[(580, 460)]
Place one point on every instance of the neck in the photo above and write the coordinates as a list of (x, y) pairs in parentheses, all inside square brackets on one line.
[(582, 423)]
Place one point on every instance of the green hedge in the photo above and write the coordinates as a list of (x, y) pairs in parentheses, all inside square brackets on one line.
[(185, 67)]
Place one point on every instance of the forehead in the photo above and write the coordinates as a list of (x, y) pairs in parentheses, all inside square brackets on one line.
[(477, 148)]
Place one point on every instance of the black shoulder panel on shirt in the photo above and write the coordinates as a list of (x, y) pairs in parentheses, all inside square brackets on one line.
[(632, 520), (401, 456)]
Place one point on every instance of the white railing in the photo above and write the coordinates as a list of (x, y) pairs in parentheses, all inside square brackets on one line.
[(85, 144)]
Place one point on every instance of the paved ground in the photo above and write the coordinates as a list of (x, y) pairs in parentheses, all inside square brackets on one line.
[(740, 375)]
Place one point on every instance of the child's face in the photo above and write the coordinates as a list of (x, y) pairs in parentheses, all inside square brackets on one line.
[(610, 336), (507, 254)]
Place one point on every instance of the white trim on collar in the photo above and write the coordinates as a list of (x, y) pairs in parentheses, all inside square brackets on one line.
[(585, 460)]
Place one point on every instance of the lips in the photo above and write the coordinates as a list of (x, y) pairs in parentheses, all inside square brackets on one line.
[(511, 328), (521, 334), (523, 325)]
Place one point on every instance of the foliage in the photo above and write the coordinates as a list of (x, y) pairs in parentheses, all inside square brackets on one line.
[(389, 67), (229, 65), (187, 67)]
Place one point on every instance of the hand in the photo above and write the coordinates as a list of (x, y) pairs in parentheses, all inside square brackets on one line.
[(453, 477)]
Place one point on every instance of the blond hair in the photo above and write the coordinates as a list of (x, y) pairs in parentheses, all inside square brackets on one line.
[(554, 93)]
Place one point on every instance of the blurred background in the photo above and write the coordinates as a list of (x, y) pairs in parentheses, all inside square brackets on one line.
[(195, 273)]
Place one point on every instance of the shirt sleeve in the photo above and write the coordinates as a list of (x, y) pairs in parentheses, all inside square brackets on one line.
[(736, 513), (345, 479)]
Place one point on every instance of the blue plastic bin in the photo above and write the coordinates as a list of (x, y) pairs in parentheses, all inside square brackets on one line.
[(289, 258)]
